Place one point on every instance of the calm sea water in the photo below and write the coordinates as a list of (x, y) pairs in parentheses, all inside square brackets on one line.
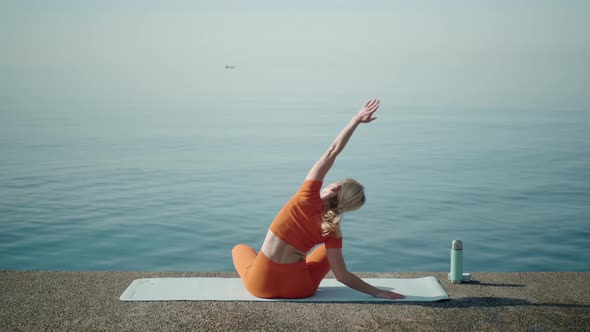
[(166, 169)]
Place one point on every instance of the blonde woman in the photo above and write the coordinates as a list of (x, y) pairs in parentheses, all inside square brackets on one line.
[(282, 268)]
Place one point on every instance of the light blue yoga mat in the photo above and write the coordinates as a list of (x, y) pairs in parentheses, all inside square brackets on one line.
[(232, 289)]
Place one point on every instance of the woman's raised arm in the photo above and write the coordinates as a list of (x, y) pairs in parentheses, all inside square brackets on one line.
[(323, 165)]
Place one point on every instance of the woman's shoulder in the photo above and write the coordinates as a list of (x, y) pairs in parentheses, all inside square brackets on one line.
[(311, 185)]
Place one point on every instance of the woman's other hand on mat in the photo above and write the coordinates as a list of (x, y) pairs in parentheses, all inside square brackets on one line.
[(365, 115), (385, 294)]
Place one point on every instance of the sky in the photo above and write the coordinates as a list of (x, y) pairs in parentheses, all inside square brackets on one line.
[(545, 41)]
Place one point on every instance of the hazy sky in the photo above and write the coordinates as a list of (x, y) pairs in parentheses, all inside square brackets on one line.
[(247, 32), (496, 37)]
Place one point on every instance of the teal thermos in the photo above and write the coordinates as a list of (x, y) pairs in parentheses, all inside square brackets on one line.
[(456, 274)]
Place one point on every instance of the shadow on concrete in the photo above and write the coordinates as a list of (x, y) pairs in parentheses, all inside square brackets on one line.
[(479, 283), (465, 302)]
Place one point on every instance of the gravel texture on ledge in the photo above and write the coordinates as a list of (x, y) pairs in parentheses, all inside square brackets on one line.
[(89, 301)]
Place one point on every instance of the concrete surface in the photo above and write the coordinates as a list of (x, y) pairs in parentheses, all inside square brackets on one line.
[(89, 301)]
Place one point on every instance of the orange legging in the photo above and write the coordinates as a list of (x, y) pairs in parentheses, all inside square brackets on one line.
[(267, 279)]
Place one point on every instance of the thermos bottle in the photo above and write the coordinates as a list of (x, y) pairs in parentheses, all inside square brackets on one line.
[(456, 275)]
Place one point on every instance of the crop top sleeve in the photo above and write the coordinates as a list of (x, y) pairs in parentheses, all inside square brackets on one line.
[(333, 242), (310, 190)]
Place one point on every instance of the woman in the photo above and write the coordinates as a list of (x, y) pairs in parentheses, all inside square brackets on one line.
[(283, 269)]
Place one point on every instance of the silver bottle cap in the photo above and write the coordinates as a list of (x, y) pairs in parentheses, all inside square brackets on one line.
[(457, 245)]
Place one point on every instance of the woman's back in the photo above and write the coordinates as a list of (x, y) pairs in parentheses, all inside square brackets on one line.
[(280, 251)]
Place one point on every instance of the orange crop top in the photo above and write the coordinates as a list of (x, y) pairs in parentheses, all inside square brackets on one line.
[(298, 222)]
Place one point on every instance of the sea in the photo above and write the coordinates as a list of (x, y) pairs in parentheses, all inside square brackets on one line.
[(136, 168)]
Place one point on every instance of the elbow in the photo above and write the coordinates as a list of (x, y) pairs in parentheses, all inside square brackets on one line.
[(333, 151), (343, 277)]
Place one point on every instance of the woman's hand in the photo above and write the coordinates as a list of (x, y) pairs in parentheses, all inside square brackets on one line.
[(365, 115), (385, 294)]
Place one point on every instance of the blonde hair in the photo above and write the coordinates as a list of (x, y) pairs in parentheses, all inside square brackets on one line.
[(351, 196)]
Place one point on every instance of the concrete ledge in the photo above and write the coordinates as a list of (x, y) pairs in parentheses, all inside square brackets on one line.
[(88, 301)]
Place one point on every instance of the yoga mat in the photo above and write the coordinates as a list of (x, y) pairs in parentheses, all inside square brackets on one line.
[(232, 289)]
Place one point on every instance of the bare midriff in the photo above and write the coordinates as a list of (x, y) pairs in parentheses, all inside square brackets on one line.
[(280, 251)]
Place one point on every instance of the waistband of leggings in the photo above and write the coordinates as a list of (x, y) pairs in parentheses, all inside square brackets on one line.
[(282, 267)]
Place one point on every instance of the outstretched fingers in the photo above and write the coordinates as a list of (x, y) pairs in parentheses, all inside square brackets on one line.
[(366, 113), (390, 295), (373, 109), (372, 103), (395, 296)]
